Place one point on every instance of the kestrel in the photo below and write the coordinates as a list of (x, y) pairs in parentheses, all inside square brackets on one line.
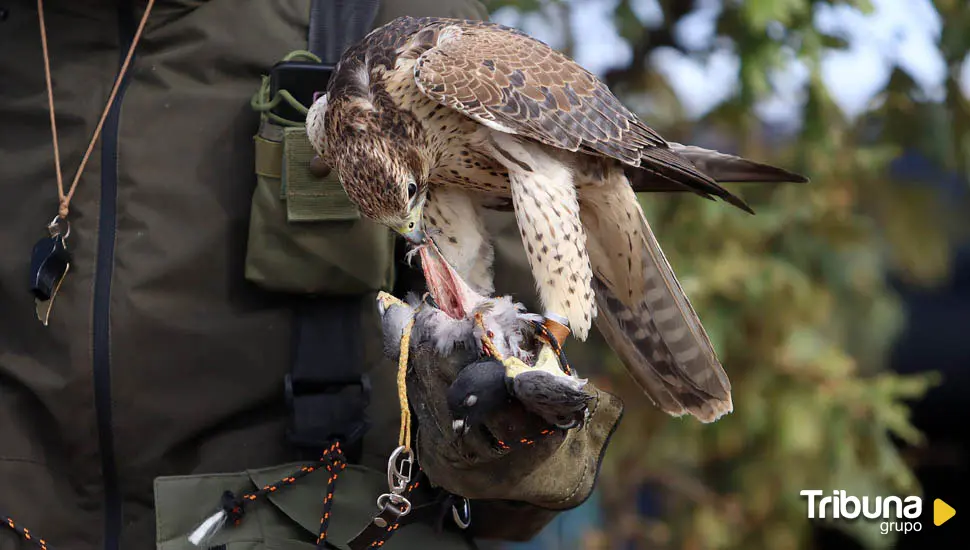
[(429, 121)]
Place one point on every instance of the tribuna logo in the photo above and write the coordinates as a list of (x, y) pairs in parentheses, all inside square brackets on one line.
[(841, 506)]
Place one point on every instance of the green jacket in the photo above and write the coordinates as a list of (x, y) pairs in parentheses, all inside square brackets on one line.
[(160, 358)]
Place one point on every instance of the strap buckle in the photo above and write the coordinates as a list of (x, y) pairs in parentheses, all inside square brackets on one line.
[(325, 411)]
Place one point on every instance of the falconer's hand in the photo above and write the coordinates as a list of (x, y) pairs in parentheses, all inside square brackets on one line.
[(491, 426)]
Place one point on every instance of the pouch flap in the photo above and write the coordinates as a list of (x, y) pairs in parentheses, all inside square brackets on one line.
[(354, 501), (332, 258), (182, 503), (286, 517)]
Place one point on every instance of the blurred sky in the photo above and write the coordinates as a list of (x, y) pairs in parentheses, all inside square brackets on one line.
[(902, 32)]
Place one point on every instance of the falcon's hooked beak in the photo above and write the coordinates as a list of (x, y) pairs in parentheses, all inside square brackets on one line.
[(412, 229)]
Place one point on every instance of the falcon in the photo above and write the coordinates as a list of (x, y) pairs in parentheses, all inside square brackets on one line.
[(429, 121)]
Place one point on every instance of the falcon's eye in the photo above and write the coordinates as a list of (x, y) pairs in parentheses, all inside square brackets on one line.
[(412, 190)]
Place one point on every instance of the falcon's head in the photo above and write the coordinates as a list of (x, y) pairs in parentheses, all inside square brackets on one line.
[(376, 156)]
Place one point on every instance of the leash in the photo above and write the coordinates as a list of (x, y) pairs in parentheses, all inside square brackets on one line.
[(23, 532), (404, 439)]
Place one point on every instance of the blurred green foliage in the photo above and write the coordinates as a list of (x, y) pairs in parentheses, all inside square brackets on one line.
[(794, 298)]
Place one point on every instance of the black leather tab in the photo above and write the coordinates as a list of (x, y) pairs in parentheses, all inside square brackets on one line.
[(380, 528), (430, 506)]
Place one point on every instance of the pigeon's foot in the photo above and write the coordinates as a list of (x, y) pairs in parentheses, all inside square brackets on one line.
[(386, 300)]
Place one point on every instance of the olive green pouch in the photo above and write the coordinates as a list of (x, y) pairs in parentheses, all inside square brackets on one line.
[(288, 519), (305, 235)]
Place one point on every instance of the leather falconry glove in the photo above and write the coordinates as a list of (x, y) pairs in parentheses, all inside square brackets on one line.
[(491, 426)]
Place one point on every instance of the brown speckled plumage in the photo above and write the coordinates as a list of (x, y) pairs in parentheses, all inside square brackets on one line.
[(441, 118)]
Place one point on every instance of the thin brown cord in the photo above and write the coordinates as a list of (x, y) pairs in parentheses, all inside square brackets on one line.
[(65, 200)]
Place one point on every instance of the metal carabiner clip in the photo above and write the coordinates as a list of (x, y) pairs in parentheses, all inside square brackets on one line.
[(399, 477)]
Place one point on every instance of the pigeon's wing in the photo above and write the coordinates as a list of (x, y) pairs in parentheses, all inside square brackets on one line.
[(516, 84), (559, 400)]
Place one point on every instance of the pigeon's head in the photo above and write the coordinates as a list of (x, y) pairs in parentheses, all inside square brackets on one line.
[(375, 151), (480, 389)]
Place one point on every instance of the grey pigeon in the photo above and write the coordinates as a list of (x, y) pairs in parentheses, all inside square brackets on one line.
[(484, 386)]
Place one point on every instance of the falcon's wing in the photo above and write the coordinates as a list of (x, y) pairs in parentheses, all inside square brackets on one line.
[(720, 166), (516, 84)]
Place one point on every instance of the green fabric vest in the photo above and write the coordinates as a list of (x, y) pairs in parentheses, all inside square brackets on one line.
[(161, 359)]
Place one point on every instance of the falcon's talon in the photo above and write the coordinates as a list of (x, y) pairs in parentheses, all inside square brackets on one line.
[(410, 254), (549, 340)]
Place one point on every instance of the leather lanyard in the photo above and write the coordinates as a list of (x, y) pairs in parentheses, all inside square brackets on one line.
[(50, 259)]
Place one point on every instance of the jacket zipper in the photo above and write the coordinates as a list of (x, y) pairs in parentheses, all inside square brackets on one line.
[(101, 324)]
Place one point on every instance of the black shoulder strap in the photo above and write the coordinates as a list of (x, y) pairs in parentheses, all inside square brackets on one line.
[(336, 24), (327, 391)]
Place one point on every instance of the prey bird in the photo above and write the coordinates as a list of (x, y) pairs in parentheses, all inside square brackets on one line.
[(429, 121), (486, 385), (520, 365)]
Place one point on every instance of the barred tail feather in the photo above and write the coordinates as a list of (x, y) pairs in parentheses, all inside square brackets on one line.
[(654, 328), (677, 387)]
